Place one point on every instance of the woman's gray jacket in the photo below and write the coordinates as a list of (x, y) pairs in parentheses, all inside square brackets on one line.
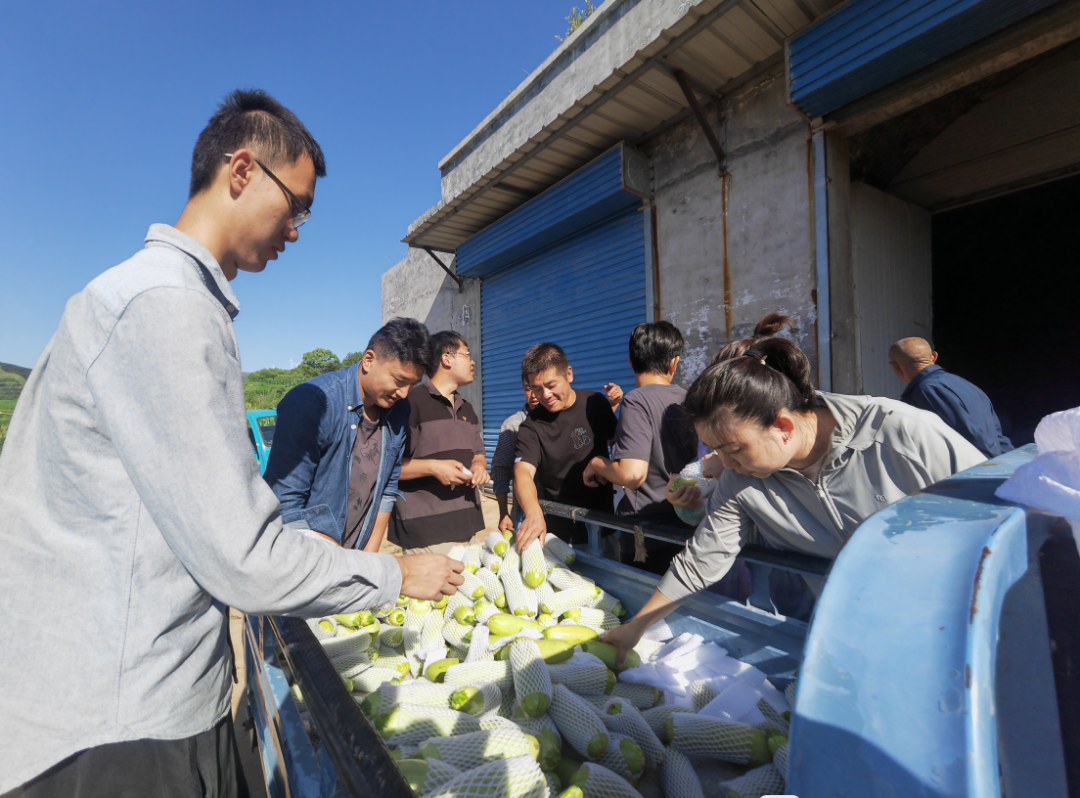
[(882, 451)]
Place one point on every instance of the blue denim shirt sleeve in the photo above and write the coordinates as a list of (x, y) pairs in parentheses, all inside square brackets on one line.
[(297, 450), (391, 493)]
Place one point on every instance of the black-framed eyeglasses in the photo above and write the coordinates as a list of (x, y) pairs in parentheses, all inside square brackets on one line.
[(303, 212)]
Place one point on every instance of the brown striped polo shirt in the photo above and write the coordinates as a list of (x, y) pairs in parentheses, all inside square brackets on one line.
[(430, 512)]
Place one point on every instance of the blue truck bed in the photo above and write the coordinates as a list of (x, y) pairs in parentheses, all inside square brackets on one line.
[(926, 670)]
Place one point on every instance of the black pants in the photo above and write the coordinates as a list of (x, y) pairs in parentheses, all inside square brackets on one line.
[(204, 765)]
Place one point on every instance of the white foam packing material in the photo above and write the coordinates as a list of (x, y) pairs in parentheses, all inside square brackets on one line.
[(738, 702), (678, 700), (1051, 481), (738, 670), (696, 658), (644, 674), (682, 644)]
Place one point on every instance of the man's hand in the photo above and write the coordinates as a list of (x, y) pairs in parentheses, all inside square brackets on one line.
[(449, 472), (506, 524), (614, 394), (534, 527), (429, 576), (590, 476), (480, 475), (686, 496), (624, 638)]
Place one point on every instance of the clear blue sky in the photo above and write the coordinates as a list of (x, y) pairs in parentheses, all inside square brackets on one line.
[(101, 103)]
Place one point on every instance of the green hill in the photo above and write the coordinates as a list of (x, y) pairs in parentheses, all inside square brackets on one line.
[(21, 371)]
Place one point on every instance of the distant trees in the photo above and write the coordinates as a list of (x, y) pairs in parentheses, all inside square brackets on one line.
[(322, 360), (265, 388)]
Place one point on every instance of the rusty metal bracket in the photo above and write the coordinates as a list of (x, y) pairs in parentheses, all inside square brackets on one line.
[(710, 135), (445, 268)]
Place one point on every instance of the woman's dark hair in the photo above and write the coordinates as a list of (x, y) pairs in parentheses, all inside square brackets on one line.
[(770, 324), (404, 340), (443, 343), (770, 375), (653, 345), (251, 118)]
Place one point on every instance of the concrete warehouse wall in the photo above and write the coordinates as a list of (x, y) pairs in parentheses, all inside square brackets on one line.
[(418, 288), (733, 249)]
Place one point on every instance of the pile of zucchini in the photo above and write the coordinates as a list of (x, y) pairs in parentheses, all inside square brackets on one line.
[(505, 690)]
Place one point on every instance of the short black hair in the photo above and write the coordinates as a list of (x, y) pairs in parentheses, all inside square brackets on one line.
[(404, 340), (653, 345), (541, 357), (251, 118), (443, 343)]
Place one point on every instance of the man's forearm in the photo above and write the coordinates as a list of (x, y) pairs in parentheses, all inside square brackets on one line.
[(378, 533), (628, 473), (414, 469), (504, 504), (525, 495)]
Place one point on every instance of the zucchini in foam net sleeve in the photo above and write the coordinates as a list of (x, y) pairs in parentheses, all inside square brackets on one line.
[(472, 587), (570, 599), (426, 776), (565, 579), (473, 673), (731, 741), (623, 718), (658, 716), (479, 650), (624, 757), (765, 780), (678, 777), (468, 751), (584, 674), (496, 544), (518, 777), (373, 678), (558, 549), (533, 565), (411, 723), (596, 781), (476, 699), (520, 600), (531, 680), (578, 723), (493, 588)]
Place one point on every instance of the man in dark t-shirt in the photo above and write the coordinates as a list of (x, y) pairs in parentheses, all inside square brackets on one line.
[(555, 443), (653, 441)]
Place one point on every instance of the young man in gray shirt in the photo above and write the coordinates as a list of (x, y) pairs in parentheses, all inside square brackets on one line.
[(146, 529), (653, 440)]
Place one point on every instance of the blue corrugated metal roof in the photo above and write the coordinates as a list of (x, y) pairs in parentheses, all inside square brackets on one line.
[(867, 44), (585, 293), (590, 194)]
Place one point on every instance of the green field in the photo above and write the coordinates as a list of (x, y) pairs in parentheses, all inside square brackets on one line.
[(7, 407)]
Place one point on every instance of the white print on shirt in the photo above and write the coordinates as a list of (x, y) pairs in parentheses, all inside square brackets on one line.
[(581, 438)]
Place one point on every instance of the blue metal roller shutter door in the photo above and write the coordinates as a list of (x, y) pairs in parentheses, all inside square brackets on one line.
[(586, 294)]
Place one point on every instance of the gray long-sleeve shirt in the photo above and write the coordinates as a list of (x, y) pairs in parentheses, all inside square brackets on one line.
[(132, 514), (882, 450)]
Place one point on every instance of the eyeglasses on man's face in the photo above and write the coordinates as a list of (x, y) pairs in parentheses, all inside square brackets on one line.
[(463, 354), (301, 212)]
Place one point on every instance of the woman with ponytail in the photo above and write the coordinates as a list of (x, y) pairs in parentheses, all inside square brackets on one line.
[(803, 466)]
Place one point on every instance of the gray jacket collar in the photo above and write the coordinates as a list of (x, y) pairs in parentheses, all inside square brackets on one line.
[(858, 422), (211, 272)]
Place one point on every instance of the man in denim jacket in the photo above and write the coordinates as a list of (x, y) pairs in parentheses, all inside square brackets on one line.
[(337, 449)]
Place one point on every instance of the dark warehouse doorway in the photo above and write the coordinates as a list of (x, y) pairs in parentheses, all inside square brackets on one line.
[(1006, 288)]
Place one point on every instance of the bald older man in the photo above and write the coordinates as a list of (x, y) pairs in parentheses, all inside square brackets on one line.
[(959, 403)]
